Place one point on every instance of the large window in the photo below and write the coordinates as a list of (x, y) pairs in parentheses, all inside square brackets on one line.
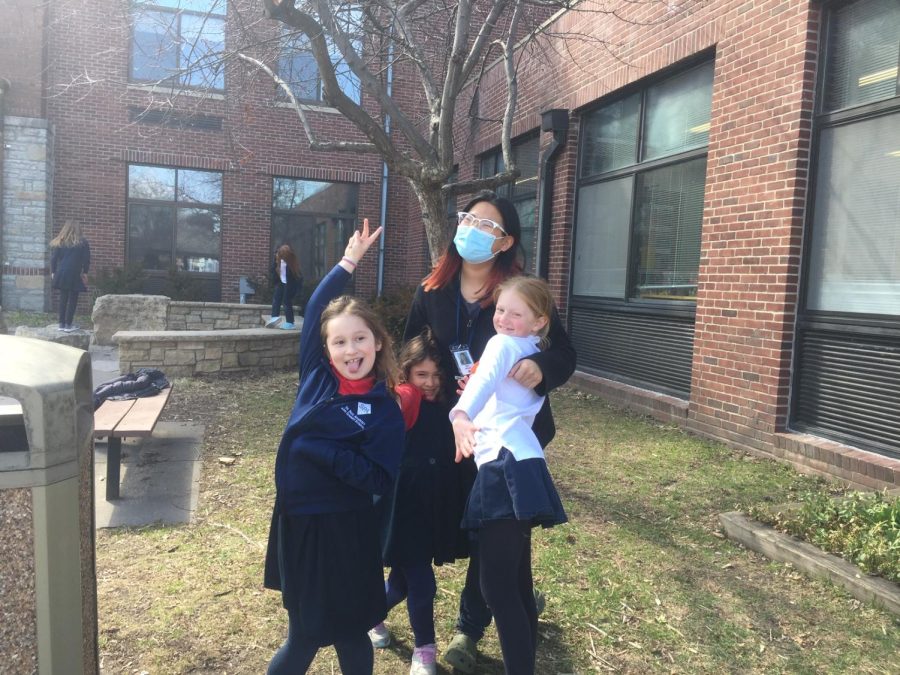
[(298, 68), (854, 253), (174, 219), (640, 197), (179, 42), (316, 218), (847, 350), (522, 193)]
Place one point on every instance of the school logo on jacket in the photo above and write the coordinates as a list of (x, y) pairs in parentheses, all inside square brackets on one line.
[(355, 415), (363, 408)]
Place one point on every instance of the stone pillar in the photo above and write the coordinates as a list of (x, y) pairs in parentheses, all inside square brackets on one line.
[(26, 229), (48, 589)]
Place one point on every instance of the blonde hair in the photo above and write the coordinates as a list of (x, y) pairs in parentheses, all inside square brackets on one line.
[(70, 235), (420, 348), (385, 367), (537, 296)]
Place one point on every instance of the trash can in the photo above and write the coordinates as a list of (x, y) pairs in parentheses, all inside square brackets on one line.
[(47, 575)]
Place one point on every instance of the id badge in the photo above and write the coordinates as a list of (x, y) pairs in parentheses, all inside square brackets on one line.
[(463, 359)]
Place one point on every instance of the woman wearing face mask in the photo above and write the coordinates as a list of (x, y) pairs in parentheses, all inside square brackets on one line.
[(455, 302)]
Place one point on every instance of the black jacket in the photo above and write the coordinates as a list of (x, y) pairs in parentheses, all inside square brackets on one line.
[(445, 312), (68, 263)]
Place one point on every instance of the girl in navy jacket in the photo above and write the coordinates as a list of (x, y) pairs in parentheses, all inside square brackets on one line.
[(341, 448), (70, 260)]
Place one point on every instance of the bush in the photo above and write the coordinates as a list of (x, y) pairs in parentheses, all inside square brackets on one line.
[(393, 308), (183, 286), (861, 527), (119, 280)]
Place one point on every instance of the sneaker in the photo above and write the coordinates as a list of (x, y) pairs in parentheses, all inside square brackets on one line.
[(380, 636), (272, 321), (287, 326), (73, 328), (461, 653), (423, 660)]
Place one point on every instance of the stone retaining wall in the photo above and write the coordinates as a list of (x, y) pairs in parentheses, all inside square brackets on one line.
[(213, 315), (188, 353)]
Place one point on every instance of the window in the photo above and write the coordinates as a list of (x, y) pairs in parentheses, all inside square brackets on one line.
[(298, 68), (640, 197), (854, 252), (174, 219), (179, 42), (522, 193), (316, 218)]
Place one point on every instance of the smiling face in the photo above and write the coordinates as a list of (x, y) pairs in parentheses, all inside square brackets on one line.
[(351, 346), (513, 316), (426, 377)]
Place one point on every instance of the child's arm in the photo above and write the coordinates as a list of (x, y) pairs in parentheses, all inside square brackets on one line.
[(331, 286), (493, 366)]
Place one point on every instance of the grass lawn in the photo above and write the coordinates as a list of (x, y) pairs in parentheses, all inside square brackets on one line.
[(640, 581)]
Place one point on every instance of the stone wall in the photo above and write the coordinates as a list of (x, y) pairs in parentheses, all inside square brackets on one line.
[(214, 315), (220, 352), (25, 233)]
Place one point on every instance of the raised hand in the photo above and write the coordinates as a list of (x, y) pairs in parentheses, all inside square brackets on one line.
[(359, 243)]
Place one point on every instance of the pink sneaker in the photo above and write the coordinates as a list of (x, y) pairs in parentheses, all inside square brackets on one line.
[(424, 660)]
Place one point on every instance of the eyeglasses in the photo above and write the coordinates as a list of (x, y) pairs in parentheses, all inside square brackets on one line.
[(484, 224)]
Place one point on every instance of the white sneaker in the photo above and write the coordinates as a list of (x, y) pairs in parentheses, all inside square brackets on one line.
[(272, 321), (424, 660), (380, 636)]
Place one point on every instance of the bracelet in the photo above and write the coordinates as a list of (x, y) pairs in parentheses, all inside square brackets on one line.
[(349, 261)]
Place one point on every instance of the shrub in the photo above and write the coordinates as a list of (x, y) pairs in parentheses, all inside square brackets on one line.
[(393, 308), (119, 280), (183, 286), (864, 528)]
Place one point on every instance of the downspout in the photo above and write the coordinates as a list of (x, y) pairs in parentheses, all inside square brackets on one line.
[(4, 87), (557, 121), (379, 285)]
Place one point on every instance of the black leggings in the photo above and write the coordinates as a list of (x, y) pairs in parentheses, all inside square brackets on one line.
[(293, 657), (68, 300), (508, 589)]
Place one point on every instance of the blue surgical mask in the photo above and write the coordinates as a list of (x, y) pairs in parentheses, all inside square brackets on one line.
[(474, 245)]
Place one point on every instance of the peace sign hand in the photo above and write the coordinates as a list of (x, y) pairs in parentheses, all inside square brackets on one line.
[(358, 245)]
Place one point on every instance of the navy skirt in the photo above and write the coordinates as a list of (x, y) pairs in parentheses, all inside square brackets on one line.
[(507, 489), (329, 571)]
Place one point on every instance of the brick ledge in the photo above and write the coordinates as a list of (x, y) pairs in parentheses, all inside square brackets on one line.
[(660, 406), (822, 456)]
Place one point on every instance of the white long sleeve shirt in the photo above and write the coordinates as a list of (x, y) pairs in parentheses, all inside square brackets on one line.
[(500, 407)]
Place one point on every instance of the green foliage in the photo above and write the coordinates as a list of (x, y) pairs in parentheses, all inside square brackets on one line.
[(393, 308), (119, 280), (861, 527), (182, 286)]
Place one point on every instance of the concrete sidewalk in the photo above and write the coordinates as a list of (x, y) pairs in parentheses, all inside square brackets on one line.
[(160, 475)]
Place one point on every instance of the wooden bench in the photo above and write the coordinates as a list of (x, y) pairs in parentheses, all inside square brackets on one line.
[(116, 420)]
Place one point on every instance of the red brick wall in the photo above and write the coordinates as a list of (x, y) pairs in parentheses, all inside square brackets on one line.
[(759, 143)]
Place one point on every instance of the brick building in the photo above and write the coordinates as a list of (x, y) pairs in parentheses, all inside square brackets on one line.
[(714, 201)]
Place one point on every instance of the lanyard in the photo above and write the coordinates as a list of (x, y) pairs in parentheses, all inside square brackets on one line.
[(472, 319)]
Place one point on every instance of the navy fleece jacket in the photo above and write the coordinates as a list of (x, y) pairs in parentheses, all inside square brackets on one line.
[(337, 451)]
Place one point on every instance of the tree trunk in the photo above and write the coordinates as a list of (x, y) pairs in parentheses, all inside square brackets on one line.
[(434, 217)]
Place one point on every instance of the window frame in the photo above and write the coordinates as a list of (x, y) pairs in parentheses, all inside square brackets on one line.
[(173, 204), (822, 120), (671, 307), (508, 190), (175, 81)]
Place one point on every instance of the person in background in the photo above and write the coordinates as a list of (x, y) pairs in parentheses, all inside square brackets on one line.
[(70, 259), (456, 302), (287, 281), (338, 456)]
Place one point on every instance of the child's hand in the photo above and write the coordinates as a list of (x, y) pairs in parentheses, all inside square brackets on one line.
[(359, 243), (461, 382), (464, 434)]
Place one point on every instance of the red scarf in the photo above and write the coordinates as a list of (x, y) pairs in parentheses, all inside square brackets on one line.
[(353, 387)]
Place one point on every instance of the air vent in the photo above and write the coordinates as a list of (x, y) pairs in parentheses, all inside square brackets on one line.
[(652, 352), (848, 388)]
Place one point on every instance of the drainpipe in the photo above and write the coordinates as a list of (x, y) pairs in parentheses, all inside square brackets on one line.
[(379, 286), (557, 121), (4, 87)]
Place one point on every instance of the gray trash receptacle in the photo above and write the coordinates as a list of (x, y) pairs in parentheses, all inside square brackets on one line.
[(47, 574)]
